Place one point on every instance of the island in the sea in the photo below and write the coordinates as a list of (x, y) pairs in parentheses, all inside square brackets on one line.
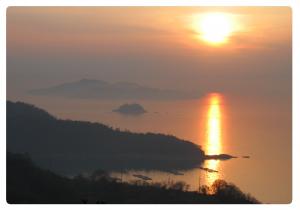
[(130, 109)]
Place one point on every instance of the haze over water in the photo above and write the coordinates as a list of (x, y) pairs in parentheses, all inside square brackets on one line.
[(216, 122)]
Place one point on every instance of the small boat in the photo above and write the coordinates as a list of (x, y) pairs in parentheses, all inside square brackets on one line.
[(145, 178), (245, 156)]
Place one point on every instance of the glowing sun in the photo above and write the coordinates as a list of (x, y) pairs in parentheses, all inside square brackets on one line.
[(214, 28)]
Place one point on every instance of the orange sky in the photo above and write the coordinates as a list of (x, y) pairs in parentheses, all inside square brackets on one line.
[(92, 29), (147, 42)]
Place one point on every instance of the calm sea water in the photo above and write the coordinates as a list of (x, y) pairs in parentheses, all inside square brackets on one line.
[(239, 126)]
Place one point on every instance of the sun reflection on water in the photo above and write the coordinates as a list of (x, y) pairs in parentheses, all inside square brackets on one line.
[(213, 145)]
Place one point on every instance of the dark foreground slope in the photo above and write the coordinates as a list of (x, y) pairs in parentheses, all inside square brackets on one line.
[(27, 183), (66, 146)]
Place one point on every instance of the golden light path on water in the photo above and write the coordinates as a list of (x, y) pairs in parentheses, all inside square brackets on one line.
[(213, 145)]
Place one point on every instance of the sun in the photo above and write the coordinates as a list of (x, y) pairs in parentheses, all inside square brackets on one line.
[(214, 28)]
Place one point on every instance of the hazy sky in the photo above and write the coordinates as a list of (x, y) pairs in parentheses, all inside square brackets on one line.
[(154, 46)]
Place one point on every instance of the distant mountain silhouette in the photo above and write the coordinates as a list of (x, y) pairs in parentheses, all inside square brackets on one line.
[(66, 146), (98, 89), (130, 109)]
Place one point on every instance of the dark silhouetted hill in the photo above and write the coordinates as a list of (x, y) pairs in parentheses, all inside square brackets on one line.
[(69, 147), (98, 89), (28, 184)]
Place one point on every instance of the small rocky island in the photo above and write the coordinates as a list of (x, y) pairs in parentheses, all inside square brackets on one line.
[(130, 109), (219, 157)]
